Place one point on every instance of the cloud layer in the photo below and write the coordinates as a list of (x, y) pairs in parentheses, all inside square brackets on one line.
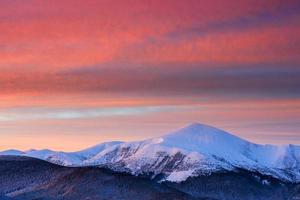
[(173, 61)]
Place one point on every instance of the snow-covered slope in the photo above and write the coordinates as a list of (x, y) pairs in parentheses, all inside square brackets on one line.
[(12, 152), (63, 158), (192, 151), (200, 149)]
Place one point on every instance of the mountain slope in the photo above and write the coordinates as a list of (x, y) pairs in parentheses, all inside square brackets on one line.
[(12, 152), (192, 151), (24, 178), (63, 158), (199, 150)]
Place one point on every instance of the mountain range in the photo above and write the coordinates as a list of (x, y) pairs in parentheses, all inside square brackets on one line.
[(188, 152), (195, 162)]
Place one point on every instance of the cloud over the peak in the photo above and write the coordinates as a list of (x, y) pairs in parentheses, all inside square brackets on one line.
[(69, 63)]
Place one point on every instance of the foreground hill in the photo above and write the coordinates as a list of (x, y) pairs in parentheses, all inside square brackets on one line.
[(28, 178), (23, 178)]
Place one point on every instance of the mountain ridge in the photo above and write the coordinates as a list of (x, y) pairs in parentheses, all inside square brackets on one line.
[(194, 150)]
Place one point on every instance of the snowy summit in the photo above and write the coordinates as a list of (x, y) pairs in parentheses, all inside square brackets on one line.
[(191, 151)]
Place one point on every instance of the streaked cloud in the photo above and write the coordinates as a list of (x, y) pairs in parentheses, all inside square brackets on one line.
[(135, 69), (16, 114), (198, 79)]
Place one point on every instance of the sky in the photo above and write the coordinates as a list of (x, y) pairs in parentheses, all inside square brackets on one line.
[(74, 73)]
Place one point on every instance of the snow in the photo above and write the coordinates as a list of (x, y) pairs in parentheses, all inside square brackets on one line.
[(266, 182), (194, 150), (12, 152), (207, 140), (89, 152), (179, 176), (41, 154)]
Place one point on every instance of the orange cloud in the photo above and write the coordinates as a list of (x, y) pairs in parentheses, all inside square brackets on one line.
[(76, 33), (267, 44), (232, 64)]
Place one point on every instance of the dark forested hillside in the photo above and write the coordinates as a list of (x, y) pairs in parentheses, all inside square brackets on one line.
[(23, 178), (28, 178)]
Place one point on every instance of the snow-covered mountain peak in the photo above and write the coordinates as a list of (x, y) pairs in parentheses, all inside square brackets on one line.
[(194, 150), (205, 139), (200, 131)]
